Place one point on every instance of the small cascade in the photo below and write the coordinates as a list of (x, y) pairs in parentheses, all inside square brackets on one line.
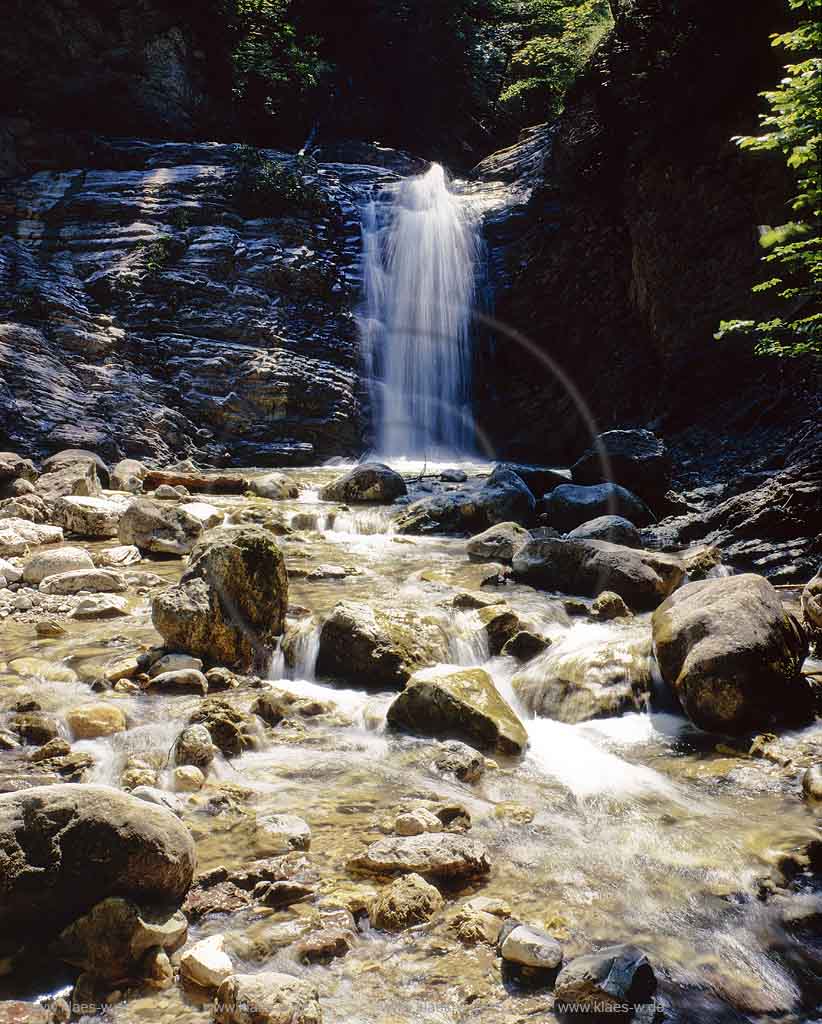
[(421, 252)]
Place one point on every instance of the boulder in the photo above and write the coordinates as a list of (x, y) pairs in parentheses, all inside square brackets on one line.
[(370, 481), (183, 680), (100, 606), (276, 486), (128, 475), (160, 797), (497, 543), (406, 902), (812, 782), (570, 505), (120, 555), (187, 778), (611, 528), (267, 998), (456, 758), (29, 507), (207, 514), (525, 645), (34, 729), (417, 821), (378, 648), (194, 747), (605, 981), (158, 528), (10, 572), (636, 459), (88, 517), (530, 947), (43, 668), (231, 602), (66, 847), (89, 721), (165, 492), (540, 480), (174, 663), (55, 562), (17, 534), (193, 482), (499, 625), (77, 457), (111, 941), (231, 729), (61, 481), (609, 605), (15, 467), (206, 963), (642, 578), (459, 704), (732, 654), (601, 678), (281, 833), (502, 497), (812, 605), (443, 855), (92, 581)]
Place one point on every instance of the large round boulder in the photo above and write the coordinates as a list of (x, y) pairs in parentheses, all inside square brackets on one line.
[(128, 475), (231, 601), (611, 528), (641, 578), (52, 563), (371, 481), (378, 648), (637, 459), (732, 654), (267, 998), (458, 703), (158, 528), (65, 847), (571, 505), (606, 982), (64, 479)]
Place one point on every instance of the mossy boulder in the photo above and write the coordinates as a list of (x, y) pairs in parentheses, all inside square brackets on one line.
[(458, 704), (733, 655), (378, 648), (230, 604)]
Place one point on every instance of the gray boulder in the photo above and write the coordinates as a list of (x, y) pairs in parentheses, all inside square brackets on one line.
[(230, 603), (458, 703), (497, 543), (637, 459), (58, 560), (88, 517), (611, 528), (641, 578), (378, 648), (267, 998), (128, 475), (276, 486), (66, 847), (570, 505), (77, 457), (74, 478), (158, 528), (371, 481), (732, 654), (611, 978), (502, 497)]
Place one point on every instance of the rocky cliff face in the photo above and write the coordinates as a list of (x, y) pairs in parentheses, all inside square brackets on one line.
[(142, 315), (643, 234), (142, 67)]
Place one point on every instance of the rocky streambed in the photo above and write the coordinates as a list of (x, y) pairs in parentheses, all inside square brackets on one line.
[(380, 747)]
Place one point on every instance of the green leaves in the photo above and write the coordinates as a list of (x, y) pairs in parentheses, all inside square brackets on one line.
[(793, 127)]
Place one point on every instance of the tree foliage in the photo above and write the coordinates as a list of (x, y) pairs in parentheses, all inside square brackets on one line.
[(792, 127), (452, 76)]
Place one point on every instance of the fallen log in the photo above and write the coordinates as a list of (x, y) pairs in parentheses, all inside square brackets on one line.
[(197, 483)]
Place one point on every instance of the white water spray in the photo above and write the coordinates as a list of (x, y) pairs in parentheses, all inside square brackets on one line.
[(420, 255)]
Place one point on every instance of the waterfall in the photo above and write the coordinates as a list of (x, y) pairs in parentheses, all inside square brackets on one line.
[(420, 260)]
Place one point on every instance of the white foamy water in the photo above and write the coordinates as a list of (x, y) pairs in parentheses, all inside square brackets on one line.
[(420, 256)]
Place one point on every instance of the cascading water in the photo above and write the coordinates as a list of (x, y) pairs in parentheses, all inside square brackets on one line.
[(420, 260)]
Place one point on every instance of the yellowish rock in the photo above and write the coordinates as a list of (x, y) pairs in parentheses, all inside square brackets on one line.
[(90, 721), (50, 671)]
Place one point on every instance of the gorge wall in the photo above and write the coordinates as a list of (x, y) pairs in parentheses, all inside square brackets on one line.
[(119, 67), (642, 234)]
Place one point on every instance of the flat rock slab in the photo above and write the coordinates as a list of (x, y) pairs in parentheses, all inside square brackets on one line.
[(436, 855)]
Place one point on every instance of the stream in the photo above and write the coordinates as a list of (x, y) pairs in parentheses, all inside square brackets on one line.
[(635, 828)]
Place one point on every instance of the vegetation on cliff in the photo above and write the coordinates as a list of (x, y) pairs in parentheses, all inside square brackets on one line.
[(793, 255)]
